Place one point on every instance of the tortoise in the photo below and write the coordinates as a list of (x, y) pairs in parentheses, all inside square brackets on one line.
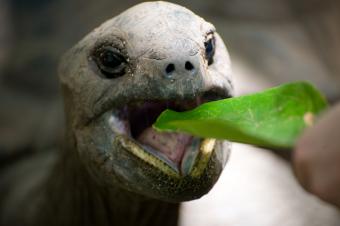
[(114, 168)]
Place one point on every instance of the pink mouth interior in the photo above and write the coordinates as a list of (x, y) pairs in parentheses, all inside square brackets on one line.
[(172, 145)]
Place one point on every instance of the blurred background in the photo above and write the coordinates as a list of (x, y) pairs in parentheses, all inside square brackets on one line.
[(270, 42)]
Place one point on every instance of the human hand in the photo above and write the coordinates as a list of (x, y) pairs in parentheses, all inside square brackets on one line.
[(316, 159)]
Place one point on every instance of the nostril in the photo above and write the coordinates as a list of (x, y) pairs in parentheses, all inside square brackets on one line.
[(189, 66), (170, 68)]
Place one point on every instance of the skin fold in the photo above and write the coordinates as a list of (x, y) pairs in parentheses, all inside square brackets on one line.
[(102, 175)]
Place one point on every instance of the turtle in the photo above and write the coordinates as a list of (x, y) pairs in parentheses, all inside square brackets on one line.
[(114, 168)]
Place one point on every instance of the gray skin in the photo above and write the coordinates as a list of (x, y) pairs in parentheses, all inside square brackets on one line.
[(103, 175)]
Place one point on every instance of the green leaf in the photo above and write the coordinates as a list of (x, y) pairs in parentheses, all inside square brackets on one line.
[(273, 118)]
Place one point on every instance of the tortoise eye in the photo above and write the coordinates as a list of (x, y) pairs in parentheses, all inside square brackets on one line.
[(110, 61), (210, 49)]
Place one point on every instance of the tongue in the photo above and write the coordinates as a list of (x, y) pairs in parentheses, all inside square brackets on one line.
[(172, 145)]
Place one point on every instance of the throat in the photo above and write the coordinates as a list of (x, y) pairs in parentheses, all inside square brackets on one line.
[(72, 197)]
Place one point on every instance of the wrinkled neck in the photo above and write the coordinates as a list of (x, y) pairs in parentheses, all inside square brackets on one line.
[(74, 198)]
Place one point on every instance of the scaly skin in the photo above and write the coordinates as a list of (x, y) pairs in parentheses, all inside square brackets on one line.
[(103, 176)]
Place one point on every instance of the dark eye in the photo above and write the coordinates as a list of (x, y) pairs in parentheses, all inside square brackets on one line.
[(210, 49), (110, 62)]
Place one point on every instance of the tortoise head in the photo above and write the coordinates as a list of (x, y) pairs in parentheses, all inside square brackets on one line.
[(122, 75)]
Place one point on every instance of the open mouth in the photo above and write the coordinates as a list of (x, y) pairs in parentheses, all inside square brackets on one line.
[(178, 151)]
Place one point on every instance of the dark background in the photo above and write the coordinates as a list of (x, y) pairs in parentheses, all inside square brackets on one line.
[(270, 42)]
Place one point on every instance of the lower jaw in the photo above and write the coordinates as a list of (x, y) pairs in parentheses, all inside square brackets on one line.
[(193, 163)]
